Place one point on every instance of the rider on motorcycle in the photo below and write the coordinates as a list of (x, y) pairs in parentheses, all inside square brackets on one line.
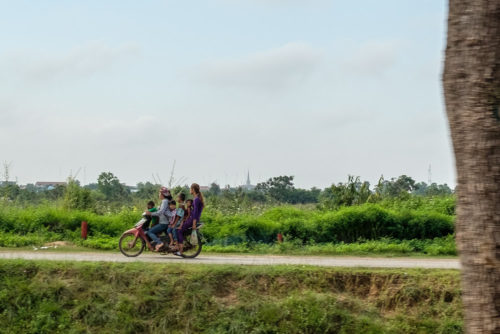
[(164, 213)]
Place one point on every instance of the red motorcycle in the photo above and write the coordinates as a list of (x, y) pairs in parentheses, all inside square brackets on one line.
[(133, 242)]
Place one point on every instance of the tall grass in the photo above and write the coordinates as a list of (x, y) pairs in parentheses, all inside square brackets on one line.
[(350, 224), (300, 227), (51, 297)]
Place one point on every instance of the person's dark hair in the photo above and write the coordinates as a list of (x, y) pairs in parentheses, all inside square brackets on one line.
[(196, 189), (190, 201), (151, 203), (182, 196), (172, 202)]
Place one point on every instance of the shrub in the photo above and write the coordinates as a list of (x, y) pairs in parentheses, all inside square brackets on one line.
[(304, 226)]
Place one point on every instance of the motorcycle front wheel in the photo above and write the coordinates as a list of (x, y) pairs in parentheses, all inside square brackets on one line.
[(130, 248)]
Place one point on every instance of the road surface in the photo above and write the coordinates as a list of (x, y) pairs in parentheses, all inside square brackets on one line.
[(325, 261)]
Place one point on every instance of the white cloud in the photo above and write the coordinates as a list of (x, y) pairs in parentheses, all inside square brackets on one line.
[(372, 58), (79, 61), (274, 69)]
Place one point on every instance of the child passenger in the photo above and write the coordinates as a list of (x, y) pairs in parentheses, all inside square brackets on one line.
[(150, 219), (179, 218), (187, 214), (189, 208)]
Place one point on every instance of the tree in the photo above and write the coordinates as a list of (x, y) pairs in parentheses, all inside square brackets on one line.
[(76, 197), (399, 187), (471, 82), (433, 189), (9, 190), (346, 194), (279, 188), (56, 193), (214, 189), (147, 190), (110, 186)]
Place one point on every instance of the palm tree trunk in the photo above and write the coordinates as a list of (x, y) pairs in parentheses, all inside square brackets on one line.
[(471, 82)]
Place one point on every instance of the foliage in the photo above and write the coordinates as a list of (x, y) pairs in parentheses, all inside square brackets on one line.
[(395, 186), (49, 297), (441, 204), (109, 185), (436, 247), (444, 246), (76, 197), (433, 189), (110, 195), (306, 226), (281, 189), (368, 221), (345, 194), (398, 212), (147, 190)]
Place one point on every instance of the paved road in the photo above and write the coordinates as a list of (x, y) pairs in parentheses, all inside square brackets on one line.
[(325, 261)]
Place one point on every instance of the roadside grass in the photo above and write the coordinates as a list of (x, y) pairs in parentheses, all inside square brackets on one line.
[(346, 224), (386, 247), (417, 228), (64, 297)]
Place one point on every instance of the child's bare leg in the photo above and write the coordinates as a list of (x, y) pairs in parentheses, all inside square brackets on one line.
[(171, 237)]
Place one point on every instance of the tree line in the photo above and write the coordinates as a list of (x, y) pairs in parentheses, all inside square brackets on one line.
[(108, 193)]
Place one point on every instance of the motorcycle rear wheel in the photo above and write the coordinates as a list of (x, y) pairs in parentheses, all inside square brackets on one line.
[(191, 251)]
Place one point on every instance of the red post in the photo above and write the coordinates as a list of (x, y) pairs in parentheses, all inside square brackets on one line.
[(84, 230), (280, 238)]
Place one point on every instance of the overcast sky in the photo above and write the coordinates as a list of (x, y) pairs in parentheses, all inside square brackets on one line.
[(315, 89)]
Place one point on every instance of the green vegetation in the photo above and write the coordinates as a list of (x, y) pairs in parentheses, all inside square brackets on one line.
[(349, 224), (436, 247), (51, 297), (364, 229), (399, 216)]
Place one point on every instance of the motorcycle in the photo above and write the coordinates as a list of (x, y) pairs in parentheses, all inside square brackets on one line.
[(133, 242)]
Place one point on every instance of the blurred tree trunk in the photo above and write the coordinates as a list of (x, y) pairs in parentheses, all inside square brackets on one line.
[(471, 82)]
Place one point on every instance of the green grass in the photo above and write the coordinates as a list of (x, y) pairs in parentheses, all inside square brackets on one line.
[(359, 230), (385, 247), (53, 297), (349, 224)]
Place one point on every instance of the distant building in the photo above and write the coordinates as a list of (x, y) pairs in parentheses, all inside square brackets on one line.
[(132, 189), (204, 188), (248, 186), (49, 185)]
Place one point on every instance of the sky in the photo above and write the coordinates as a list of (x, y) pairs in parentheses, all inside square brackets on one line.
[(315, 89)]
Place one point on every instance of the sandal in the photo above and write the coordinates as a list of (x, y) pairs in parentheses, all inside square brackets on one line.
[(159, 246)]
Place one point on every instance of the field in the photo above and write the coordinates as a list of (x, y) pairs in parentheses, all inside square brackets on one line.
[(43, 297), (358, 230)]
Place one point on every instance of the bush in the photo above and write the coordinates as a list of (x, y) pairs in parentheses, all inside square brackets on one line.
[(302, 226), (61, 221), (350, 224)]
